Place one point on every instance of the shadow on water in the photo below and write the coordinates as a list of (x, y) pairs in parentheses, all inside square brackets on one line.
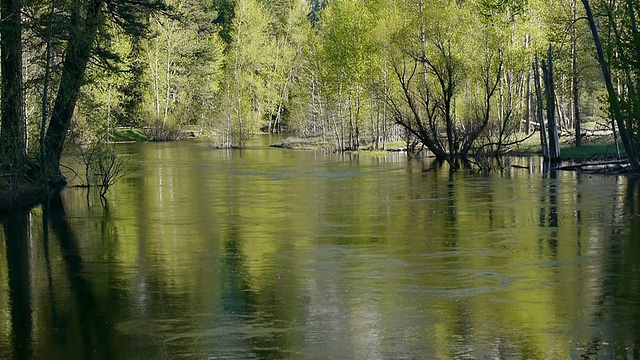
[(16, 229), (95, 330), (549, 210), (620, 283)]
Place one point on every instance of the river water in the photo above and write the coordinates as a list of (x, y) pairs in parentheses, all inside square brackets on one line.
[(267, 253)]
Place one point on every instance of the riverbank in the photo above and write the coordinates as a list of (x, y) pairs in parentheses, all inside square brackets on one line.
[(129, 135), (600, 148), (19, 192), (595, 149)]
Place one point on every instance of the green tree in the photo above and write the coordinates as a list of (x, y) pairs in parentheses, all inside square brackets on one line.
[(290, 32), (434, 66), (248, 67), (623, 48), (345, 57), (86, 18), (183, 59), (77, 35)]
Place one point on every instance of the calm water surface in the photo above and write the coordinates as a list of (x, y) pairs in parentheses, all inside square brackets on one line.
[(276, 254)]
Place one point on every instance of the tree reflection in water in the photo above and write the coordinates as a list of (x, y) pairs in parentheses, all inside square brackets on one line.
[(16, 230), (515, 267)]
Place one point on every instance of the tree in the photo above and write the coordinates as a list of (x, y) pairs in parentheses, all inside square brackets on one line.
[(432, 71), (547, 70), (623, 112), (183, 66), (12, 129), (86, 18), (346, 55), (289, 33), (76, 35), (248, 67)]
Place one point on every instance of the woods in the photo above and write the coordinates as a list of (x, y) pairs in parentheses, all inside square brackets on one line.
[(458, 78)]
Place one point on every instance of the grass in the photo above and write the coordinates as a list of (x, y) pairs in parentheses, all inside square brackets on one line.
[(297, 143), (129, 134), (604, 149), (592, 148)]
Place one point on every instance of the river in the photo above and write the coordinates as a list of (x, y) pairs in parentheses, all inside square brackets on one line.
[(267, 253)]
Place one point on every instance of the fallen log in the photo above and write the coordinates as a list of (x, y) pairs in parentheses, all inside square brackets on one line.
[(595, 165)]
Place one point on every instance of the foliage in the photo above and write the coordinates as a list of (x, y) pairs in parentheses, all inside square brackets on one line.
[(617, 52), (103, 167), (357, 74)]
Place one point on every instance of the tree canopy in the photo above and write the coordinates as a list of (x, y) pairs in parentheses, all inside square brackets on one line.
[(455, 77)]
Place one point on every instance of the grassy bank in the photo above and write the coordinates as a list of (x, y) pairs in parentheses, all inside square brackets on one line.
[(129, 134), (600, 147), (593, 148), (601, 150)]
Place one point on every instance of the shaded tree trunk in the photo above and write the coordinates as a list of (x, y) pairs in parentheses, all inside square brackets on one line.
[(13, 143), (614, 102), (45, 90), (547, 69), (575, 80), (85, 18), (539, 112)]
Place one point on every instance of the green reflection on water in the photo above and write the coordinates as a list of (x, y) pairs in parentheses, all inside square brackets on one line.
[(268, 253)]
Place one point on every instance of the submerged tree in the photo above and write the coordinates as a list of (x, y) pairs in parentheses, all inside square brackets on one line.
[(433, 71)]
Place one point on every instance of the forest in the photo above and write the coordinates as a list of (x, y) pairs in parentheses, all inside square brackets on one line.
[(462, 79)]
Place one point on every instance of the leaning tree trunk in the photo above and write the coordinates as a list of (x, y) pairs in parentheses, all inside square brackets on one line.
[(84, 29), (614, 102), (13, 143), (45, 89)]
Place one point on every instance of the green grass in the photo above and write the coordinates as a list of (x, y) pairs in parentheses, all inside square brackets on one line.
[(296, 143), (595, 148), (602, 149), (129, 134)]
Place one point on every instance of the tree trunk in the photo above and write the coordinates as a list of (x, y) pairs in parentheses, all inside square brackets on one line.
[(527, 125), (539, 112), (574, 82), (614, 103), (45, 90), (13, 145), (547, 69), (83, 33)]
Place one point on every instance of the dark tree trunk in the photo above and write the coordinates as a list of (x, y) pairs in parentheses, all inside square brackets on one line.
[(18, 255), (614, 102), (547, 69), (13, 142), (527, 116), (45, 90), (539, 112), (575, 80), (85, 19)]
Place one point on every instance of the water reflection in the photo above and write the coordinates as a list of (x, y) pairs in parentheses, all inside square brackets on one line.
[(17, 243), (95, 330), (276, 254)]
